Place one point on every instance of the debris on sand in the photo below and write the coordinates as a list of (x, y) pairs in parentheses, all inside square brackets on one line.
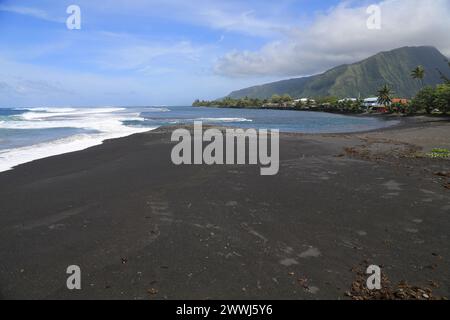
[(152, 291), (356, 153), (401, 291), (303, 282), (444, 174)]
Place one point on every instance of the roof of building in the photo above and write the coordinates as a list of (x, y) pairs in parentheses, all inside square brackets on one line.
[(400, 100)]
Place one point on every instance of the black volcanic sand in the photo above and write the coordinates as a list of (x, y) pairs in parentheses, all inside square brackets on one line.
[(142, 228)]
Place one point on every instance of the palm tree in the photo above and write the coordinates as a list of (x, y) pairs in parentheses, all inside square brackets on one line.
[(384, 95), (418, 73), (443, 76)]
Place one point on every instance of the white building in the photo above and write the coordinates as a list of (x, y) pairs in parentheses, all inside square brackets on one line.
[(305, 100), (348, 99), (371, 102)]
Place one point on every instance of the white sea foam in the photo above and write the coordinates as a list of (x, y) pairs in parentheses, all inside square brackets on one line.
[(43, 109), (106, 122), (44, 113), (224, 119), (206, 120), (157, 109)]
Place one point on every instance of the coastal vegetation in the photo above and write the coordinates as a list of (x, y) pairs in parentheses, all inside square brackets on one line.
[(329, 104), (439, 153), (429, 100), (245, 102)]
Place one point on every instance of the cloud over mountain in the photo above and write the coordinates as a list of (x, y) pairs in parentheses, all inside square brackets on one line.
[(341, 36)]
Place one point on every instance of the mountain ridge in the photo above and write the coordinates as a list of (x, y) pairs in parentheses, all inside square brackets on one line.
[(362, 78)]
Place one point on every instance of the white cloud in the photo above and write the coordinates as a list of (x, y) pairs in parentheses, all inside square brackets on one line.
[(32, 12), (254, 18), (245, 22), (141, 56), (341, 36)]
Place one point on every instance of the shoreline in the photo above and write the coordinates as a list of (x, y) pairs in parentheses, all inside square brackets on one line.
[(135, 223), (94, 144), (404, 122)]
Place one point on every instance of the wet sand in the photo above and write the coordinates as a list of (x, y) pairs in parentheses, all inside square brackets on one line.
[(142, 228)]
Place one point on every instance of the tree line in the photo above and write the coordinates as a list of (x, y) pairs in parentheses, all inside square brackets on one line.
[(245, 102), (331, 104)]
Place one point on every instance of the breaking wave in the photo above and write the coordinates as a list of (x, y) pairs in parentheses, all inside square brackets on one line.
[(102, 124)]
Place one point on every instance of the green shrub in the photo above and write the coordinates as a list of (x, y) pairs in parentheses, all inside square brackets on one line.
[(443, 98), (439, 153), (425, 99)]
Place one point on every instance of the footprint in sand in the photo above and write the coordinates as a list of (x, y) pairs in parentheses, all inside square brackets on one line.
[(231, 204), (160, 208), (390, 195), (393, 185), (312, 252), (312, 289), (288, 262)]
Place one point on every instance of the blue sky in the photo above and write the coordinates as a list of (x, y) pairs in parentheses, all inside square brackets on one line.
[(169, 52)]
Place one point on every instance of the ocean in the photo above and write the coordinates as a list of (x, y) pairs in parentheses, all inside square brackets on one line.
[(28, 134)]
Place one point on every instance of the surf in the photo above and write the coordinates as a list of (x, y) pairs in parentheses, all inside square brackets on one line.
[(100, 124)]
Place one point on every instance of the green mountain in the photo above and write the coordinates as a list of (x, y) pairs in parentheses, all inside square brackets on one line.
[(363, 78)]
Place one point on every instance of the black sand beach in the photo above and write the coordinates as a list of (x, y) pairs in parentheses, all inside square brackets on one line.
[(142, 228)]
